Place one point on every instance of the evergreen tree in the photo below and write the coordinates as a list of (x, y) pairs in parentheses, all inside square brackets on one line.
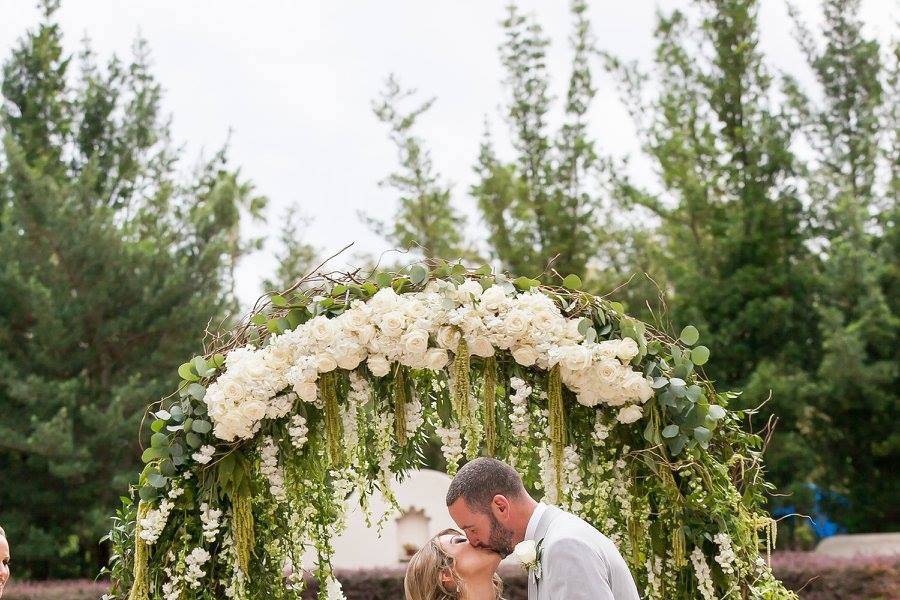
[(732, 226), (425, 221), (854, 402), (110, 268), (295, 257), (540, 208)]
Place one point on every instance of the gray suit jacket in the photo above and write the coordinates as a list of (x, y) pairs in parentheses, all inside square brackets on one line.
[(578, 562)]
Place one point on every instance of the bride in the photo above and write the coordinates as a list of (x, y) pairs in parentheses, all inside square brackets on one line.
[(447, 567)]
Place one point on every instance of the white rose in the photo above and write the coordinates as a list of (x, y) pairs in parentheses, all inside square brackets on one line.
[(448, 337), (481, 346), (525, 355), (493, 298), (321, 331), (588, 397), (415, 342), (351, 360), (576, 358), (415, 309), (640, 389), (325, 362), (630, 414), (515, 323), (378, 365), (253, 410), (608, 370), (365, 333), (627, 349), (392, 323), (308, 391), (384, 300), (436, 359), (355, 318), (526, 552), (232, 388), (468, 291), (572, 330)]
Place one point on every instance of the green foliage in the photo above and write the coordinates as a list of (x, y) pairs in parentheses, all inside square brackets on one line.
[(111, 266), (425, 220)]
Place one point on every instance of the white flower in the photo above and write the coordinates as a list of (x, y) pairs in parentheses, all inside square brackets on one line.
[(209, 517), (194, 563), (576, 358), (384, 300), (308, 391), (298, 431), (436, 359), (204, 454), (334, 590), (326, 363), (392, 323), (378, 365), (627, 349), (448, 337), (630, 414), (525, 355), (468, 291), (515, 323), (526, 553), (481, 346), (493, 298), (154, 522), (415, 342), (322, 330)]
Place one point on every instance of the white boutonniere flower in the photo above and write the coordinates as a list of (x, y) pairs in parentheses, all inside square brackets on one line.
[(528, 553)]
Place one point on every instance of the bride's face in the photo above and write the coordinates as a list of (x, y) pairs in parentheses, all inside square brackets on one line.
[(469, 562)]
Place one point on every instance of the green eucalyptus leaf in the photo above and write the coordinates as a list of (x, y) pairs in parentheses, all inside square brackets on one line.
[(689, 335), (193, 440), (201, 426), (279, 300), (259, 319), (187, 373), (670, 431), (157, 480), (572, 282), (148, 493), (159, 441), (700, 355), (417, 274), (716, 412), (157, 425), (702, 435)]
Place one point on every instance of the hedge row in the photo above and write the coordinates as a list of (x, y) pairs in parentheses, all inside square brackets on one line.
[(813, 576)]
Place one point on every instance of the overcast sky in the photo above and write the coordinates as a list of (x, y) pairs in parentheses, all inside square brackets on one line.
[(294, 80)]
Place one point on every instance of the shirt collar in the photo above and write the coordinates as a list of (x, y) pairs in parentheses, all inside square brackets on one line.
[(539, 511)]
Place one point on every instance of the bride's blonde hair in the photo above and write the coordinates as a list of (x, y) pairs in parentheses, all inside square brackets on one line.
[(423, 574)]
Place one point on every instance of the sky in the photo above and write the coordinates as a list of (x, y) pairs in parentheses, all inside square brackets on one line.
[(293, 82)]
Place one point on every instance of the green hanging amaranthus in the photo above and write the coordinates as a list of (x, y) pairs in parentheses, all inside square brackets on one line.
[(557, 425), (328, 392), (489, 395), (400, 400), (461, 388), (140, 587), (244, 534)]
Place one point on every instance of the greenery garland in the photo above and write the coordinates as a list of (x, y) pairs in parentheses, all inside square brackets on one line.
[(608, 417)]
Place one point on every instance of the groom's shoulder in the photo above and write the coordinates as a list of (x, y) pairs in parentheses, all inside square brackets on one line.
[(572, 527)]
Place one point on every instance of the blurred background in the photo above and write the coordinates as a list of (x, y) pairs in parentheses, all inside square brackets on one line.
[(727, 163)]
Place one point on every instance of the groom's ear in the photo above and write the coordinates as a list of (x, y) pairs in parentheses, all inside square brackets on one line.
[(500, 505)]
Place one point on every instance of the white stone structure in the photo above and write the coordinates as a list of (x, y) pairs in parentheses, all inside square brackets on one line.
[(423, 513)]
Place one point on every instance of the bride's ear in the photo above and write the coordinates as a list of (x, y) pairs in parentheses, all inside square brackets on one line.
[(447, 580)]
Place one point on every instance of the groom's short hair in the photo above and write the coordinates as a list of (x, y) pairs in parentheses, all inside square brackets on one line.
[(478, 481)]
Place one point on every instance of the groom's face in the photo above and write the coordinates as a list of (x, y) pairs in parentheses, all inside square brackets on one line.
[(483, 528)]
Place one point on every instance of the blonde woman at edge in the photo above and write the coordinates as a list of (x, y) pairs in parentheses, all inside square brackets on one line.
[(4, 561), (447, 567)]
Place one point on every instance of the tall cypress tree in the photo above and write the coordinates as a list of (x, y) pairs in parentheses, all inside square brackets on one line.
[(111, 265)]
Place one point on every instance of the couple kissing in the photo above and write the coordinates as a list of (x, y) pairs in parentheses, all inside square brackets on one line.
[(566, 558)]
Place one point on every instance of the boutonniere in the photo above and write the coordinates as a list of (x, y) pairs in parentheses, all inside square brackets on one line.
[(528, 553)]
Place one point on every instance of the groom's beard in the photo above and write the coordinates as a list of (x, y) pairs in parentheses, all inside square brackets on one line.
[(501, 538)]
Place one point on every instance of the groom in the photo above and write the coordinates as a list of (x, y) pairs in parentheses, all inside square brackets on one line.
[(576, 562)]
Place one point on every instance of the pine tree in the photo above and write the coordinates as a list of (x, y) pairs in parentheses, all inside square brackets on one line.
[(111, 266), (425, 221)]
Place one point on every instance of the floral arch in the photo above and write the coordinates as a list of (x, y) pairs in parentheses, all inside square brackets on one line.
[(337, 388)]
